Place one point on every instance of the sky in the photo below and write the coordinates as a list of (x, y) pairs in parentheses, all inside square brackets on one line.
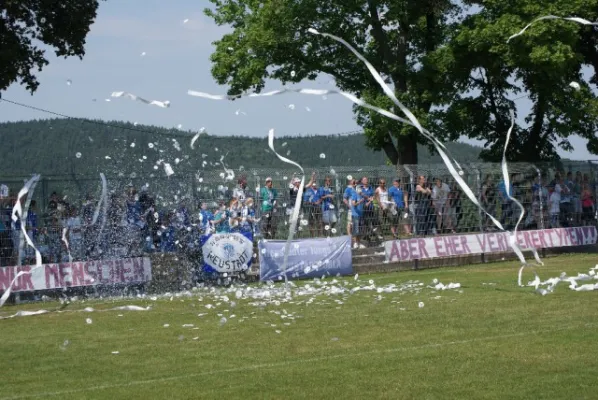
[(176, 59)]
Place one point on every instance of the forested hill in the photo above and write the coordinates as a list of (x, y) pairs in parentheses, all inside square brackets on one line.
[(68, 146)]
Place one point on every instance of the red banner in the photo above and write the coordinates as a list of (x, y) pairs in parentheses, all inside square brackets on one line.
[(76, 274)]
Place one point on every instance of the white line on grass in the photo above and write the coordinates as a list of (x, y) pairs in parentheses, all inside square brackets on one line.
[(285, 363)]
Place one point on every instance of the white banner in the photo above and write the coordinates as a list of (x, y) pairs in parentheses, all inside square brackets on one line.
[(484, 243), (227, 252), (88, 273)]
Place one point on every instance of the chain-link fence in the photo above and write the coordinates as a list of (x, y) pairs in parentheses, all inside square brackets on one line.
[(168, 213)]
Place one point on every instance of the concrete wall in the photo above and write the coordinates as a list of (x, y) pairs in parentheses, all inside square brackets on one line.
[(171, 272)]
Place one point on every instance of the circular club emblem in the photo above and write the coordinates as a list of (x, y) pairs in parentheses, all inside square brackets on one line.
[(228, 252)]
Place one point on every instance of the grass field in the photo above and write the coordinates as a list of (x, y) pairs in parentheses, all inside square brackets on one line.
[(489, 339)]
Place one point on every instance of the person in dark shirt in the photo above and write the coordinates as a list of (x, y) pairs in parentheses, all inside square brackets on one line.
[(422, 202), (53, 203)]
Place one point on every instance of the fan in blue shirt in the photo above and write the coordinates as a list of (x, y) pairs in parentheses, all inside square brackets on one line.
[(326, 196), (347, 195), (205, 217), (221, 220), (356, 203), (398, 197)]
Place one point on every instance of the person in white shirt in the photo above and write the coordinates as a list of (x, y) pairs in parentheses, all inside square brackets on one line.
[(240, 192), (439, 198), (75, 234), (554, 201)]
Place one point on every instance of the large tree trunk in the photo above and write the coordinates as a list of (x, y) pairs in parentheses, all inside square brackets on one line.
[(407, 149), (532, 145), (390, 150)]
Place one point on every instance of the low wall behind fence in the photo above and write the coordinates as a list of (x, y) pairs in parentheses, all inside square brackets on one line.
[(308, 258)]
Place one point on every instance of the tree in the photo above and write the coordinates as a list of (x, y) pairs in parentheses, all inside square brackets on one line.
[(270, 41), (62, 25), (488, 74)]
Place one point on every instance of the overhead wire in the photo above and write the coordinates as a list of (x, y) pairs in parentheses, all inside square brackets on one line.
[(171, 132)]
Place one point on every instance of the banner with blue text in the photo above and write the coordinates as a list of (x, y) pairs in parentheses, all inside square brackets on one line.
[(308, 258), (227, 252)]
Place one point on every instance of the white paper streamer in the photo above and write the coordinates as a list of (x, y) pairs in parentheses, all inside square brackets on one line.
[(295, 214), (18, 209), (130, 308), (23, 217), (388, 91), (66, 243), (230, 174), (573, 19), (103, 204), (412, 121), (194, 140), (440, 148), (23, 313), (162, 104), (103, 199), (507, 181), (320, 92)]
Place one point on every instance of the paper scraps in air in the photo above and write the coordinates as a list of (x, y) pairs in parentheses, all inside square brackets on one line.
[(168, 169), (230, 174), (161, 104), (320, 92), (573, 19)]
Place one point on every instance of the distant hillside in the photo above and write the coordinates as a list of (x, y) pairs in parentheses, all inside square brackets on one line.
[(65, 146)]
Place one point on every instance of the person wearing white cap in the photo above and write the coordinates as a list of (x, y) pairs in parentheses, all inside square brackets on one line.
[(268, 196), (294, 190)]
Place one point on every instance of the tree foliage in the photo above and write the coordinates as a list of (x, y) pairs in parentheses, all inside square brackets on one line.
[(270, 41), (24, 24), (488, 74), (448, 61)]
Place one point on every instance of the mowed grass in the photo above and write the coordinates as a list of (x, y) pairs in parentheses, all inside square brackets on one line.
[(486, 342)]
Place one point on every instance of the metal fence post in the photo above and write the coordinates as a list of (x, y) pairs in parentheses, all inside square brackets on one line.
[(411, 205), (541, 203), (481, 214), (338, 197), (594, 179)]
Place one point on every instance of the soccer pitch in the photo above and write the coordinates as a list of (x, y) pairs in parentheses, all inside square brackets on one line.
[(488, 339)]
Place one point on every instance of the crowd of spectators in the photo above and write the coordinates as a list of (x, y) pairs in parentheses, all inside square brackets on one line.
[(370, 213)]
